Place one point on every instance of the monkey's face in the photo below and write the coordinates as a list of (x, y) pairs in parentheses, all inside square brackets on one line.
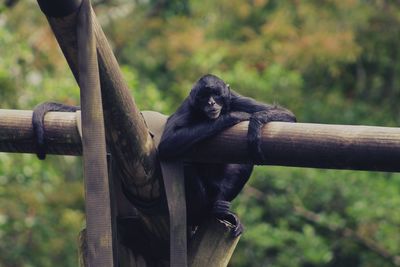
[(212, 106), (210, 96)]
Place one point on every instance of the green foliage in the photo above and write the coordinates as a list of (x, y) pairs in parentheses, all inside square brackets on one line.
[(333, 61), (41, 210), (303, 216)]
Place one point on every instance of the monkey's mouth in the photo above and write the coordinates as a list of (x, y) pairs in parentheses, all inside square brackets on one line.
[(213, 113)]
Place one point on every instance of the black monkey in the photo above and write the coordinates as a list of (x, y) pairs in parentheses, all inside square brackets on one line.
[(38, 123), (210, 108)]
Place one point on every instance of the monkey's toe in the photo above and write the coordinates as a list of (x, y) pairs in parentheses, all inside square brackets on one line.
[(232, 218)]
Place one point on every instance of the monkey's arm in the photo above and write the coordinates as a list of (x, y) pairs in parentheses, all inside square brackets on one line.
[(257, 120), (38, 123), (178, 139), (260, 114), (247, 104)]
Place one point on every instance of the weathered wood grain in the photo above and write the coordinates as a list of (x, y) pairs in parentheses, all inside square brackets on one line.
[(285, 144)]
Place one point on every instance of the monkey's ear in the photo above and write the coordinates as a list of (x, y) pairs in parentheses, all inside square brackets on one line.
[(229, 90)]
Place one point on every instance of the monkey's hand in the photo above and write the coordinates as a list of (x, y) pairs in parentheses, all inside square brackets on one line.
[(257, 120), (221, 211)]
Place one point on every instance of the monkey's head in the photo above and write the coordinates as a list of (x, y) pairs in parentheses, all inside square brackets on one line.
[(210, 96)]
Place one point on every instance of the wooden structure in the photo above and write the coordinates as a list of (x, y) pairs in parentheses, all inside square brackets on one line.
[(135, 166)]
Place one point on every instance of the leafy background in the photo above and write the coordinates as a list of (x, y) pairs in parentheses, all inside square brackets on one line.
[(330, 61)]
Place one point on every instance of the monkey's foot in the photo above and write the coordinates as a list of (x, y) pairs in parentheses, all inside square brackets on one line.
[(234, 220), (221, 211)]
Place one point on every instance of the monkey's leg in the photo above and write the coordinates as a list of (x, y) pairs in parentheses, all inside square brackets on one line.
[(234, 178)]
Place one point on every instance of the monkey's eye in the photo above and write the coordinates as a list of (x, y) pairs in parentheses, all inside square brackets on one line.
[(203, 98), (218, 98)]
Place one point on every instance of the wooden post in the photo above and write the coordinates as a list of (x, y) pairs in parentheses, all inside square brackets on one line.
[(135, 152), (212, 245), (127, 136)]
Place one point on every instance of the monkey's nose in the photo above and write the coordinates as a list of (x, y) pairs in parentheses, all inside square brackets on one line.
[(211, 101)]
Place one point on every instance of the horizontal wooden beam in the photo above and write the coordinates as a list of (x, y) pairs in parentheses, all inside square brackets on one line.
[(286, 144), (309, 145), (61, 133)]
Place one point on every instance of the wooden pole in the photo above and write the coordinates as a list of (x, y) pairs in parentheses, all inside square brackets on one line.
[(16, 134), (285, 144), (128, 138), (135, 152), (212, 245), (310, 145)]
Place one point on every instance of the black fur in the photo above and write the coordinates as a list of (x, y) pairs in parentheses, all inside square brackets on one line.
[(38, 124), (210, 187)]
